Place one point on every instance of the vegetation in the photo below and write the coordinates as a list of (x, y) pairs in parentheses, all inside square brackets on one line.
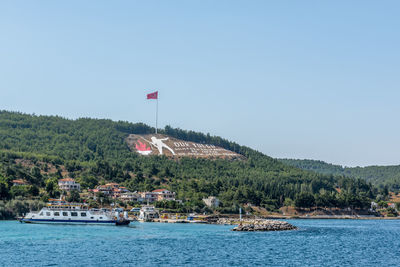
[(42, 149), (18, 207), (386, 177)]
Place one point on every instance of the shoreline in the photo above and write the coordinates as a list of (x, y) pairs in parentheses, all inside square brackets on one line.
[(327, 217), (234, 221)]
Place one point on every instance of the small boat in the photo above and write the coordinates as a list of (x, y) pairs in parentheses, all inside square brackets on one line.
[(58, 211), (122, 219), (122, 223), (148, 213)]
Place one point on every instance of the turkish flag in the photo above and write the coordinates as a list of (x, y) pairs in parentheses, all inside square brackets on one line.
[(153, 95)]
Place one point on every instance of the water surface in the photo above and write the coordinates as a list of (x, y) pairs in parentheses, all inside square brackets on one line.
[(317, 243)]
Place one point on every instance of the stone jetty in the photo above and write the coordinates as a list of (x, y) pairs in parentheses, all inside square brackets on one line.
[(264, 225)]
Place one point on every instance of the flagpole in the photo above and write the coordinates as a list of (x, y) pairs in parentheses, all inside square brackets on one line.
[(157, 115)]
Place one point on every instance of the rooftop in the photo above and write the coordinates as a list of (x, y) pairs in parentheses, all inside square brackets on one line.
[(159, 190), (66, 180), (18, 181)]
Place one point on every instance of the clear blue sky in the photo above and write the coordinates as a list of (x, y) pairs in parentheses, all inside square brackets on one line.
[(295, 79)]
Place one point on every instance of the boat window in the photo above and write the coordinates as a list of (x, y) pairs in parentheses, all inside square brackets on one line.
[(48, 213), (73, 213), (91, 217), (56, 213), (65, 213), (41, 214), (101, 217), (83, 214)]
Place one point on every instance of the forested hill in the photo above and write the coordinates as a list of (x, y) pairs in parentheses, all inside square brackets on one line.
[(42, 149), (88, 139), (378, 175)]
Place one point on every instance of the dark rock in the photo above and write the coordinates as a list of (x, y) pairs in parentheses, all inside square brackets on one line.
[(264, 225)]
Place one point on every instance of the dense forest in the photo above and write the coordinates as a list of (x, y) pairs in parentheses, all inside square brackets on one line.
[(43, 149), (381, 176)]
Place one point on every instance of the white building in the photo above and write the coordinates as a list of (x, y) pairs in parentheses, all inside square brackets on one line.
[(68, 184), (163, 194), (131, 196), (211, 201)]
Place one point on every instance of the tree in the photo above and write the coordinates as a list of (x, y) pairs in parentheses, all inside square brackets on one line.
[(74, 196), (391, 212), (4, 189), (33, 190), (52, 187), (88, 181), (304, 200), (325, 200), (288, 202), (19, 190), (383, 204), (36, 173)]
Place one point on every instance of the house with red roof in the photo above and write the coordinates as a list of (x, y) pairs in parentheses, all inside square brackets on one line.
[(113, 190), (163, 194), (391, 205), (68, 184), (117, 192), (19, 182)]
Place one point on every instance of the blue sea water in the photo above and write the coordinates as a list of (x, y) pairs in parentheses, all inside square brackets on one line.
[(316, 243)]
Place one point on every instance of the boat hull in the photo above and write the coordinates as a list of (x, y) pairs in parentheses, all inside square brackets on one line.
[(122, 223), (50, 221)]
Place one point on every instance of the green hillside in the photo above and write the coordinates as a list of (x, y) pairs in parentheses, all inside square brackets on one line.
[(42, 149), (379, 175)]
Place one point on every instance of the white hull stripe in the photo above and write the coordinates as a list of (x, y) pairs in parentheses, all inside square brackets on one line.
[(64, 221)]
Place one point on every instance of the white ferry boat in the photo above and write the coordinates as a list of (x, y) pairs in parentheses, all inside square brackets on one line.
[(60, 211)]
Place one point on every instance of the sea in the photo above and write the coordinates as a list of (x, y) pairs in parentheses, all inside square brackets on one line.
[(316, 243)]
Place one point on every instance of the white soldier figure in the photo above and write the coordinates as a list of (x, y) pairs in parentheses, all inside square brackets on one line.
[(159, 144)]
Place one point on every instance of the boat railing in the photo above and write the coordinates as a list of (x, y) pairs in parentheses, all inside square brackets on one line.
[(99, 212), (34, 212)]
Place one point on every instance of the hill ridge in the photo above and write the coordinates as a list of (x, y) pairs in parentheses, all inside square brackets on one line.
[(380, 175)]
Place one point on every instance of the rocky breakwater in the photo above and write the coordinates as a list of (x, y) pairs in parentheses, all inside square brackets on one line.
[(264, 225)]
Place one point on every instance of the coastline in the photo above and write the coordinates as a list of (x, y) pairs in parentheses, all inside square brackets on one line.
[(332, 217), (235, 221)]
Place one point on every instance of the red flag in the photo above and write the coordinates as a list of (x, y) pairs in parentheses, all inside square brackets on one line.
[(153, 95)]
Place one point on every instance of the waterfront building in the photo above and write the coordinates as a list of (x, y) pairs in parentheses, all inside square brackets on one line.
[(391, 205), (211, 201), (113, 190), (116, 192), (148, 196), (113, 185), (157, 195), (163, 194), (106, 190), (68, 184), (131, 196)]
